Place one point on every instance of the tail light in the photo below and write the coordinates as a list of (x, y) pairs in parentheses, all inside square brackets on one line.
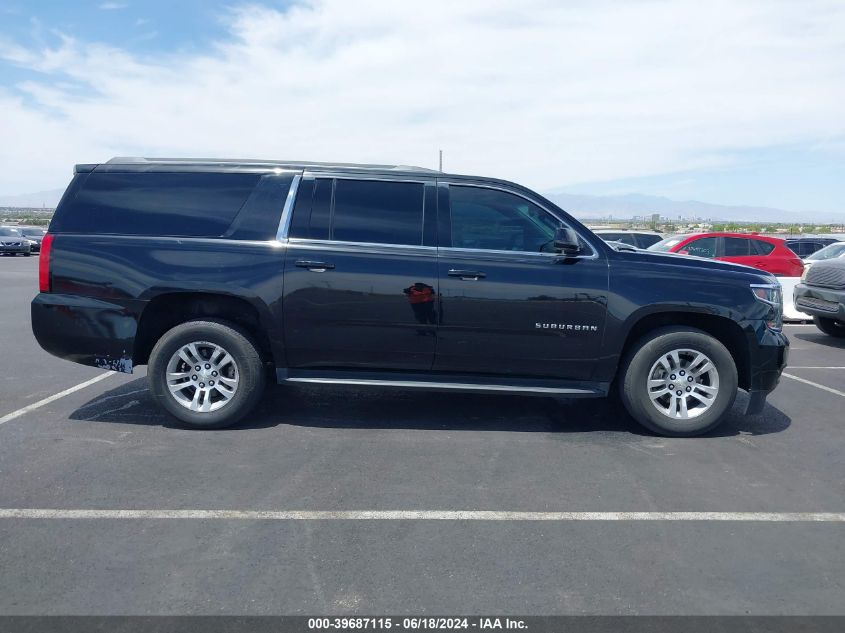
[(44, 264)]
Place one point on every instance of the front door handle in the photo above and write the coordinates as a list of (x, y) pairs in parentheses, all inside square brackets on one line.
[(467, 275), (317, 267)]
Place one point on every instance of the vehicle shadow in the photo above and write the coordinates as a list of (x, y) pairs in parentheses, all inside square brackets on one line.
[(350, 407), (820, 338)]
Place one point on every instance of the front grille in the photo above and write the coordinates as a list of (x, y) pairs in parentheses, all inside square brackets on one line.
[(11, 243), (826, 276), (818, 304)]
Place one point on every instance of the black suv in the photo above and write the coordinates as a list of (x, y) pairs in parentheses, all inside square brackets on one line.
[(212, 272)]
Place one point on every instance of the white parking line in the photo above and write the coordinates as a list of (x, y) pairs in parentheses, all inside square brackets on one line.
[(421, 515), (54, 397), (806, 367), (815, 384)]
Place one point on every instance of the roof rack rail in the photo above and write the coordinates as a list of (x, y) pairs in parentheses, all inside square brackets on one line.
[(124, 160)]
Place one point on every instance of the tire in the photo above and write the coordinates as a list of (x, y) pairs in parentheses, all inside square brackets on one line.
[(29, 254), (649, 369), (831, 327), (237, 371)]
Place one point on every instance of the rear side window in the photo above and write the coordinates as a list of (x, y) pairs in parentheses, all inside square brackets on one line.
[(150, 203), (759, 247), (737, 247), (382, 212), (375, 211)]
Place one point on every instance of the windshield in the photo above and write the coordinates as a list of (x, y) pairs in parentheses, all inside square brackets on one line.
[(828, 252), (10, 232), (665, 244)]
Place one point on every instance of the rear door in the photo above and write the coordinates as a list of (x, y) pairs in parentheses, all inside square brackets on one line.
[(361, 274), (509, 305)]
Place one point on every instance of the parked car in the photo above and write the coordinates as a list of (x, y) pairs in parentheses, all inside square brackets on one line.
[(765, 253), (34, 234), (821, 294), (833, 251), (640, 239), (805, 246), (12, 242), (213, 272)]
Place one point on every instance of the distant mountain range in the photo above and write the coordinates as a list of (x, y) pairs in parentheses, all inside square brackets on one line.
[(47, 199), (583, 206), (629, 205)]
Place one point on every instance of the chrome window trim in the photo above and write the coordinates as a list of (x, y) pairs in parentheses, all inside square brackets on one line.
[(368, 177), (470, 183), (287, 210), (306, 242)]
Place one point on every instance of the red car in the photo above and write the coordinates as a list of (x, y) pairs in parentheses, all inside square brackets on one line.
[(766, 253)]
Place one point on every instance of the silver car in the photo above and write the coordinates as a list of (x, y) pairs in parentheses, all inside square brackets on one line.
[(12, 242)]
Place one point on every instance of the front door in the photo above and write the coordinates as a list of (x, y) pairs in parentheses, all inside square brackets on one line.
[(360, 283), (510, 305)]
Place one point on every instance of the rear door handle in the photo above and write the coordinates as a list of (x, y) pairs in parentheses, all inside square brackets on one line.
[(467, 275), (317, 267)]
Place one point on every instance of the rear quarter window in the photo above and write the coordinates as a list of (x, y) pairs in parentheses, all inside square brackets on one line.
[(762, 248), (151, 203)]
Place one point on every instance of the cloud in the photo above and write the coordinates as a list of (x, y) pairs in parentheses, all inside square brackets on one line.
[(546, 93), (112, 6)]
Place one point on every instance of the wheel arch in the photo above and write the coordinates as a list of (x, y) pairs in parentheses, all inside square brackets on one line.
[(170, 308), (725, 330)]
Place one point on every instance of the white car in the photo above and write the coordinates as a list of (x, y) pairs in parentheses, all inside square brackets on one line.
[(832, 251), (640, 239)]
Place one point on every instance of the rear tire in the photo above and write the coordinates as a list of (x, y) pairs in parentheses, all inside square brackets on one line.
[(226, 387), (831, 327), (700, 371)]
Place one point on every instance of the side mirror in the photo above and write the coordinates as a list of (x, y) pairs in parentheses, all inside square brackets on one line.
[(566, 241)]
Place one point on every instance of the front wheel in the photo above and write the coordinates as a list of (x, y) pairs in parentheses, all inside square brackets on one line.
[(207, 374), (831, 327), (678, 382)]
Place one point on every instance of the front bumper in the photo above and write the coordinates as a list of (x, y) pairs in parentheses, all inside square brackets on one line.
[(820, 302), (23, 248)]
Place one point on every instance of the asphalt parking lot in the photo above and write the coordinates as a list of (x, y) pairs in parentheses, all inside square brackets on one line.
[(196, 541)]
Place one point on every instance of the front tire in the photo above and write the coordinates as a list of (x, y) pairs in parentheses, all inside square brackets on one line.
[(831, 327), (678, 382), (207, 374)]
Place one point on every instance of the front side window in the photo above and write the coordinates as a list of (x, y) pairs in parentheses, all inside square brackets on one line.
[(702, 247), (490, 219)]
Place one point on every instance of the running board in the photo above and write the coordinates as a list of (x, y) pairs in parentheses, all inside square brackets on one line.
[(468, 384)]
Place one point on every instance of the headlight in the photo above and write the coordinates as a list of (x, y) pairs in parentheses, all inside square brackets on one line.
[(806, 269), (772, 296)]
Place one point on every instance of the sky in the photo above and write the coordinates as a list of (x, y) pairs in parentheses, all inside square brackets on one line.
[(726, 101)]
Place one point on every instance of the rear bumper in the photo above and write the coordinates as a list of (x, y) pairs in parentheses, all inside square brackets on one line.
[(86, 331), (820, 302), (768, 360)]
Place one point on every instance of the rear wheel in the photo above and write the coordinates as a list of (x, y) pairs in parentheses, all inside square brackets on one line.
[(831, 327), (678, 382), (207, 374)]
